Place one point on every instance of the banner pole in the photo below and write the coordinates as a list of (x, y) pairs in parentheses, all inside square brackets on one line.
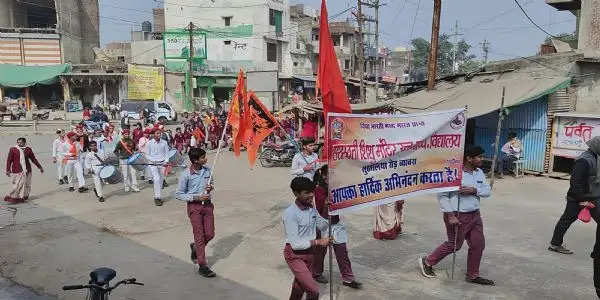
[(498, 131), (330, 246), (455, 238), (212, 169)]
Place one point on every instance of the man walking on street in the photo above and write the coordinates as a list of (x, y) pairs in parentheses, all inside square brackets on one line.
[(157, 156), (57, 156), (300, 223), (584, 191), (124, 150), (306, 162), (94, 161), (72, 151), (18, 166), (194, 188), (463, 221)]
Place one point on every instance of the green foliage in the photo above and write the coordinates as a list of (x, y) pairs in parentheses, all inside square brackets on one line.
[(446, 56)]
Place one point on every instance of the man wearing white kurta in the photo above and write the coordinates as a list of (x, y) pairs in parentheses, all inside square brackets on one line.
[(57, 155), (157, 155), (94, 160), (72, 150)]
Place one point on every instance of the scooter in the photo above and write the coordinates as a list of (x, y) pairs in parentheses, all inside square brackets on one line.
[(99, 285)]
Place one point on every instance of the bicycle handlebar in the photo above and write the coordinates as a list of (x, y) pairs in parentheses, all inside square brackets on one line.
[(73, 287), (108, 289)]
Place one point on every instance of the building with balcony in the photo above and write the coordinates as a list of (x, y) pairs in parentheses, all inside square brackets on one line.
[(239, 35), (46, 32), (345, 38), (44, 37)]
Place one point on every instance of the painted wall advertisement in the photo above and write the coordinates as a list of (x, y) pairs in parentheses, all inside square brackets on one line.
[(177, 44), (379, 159), (145, 82), (572, 133)]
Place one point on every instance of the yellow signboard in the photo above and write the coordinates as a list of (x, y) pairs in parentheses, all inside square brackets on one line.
[(145, 82)]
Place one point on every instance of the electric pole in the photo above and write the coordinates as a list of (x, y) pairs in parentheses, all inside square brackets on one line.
[(361, 52), (372, 4), (455, 36), (485, 48), (435, 34), (376, 5), (191, 70)]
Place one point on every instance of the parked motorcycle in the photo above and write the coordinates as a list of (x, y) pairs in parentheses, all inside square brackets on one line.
[(274, 155), (41, 116)]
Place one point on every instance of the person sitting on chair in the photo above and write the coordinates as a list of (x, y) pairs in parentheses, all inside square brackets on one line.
[(511, 152)]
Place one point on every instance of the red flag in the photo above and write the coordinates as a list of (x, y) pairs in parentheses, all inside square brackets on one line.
[(333, 89), (235, 117), (259, 124), (329, 77)]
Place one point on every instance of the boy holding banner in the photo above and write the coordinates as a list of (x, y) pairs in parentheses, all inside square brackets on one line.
[(340, 236), (463, 221), (300, 223)]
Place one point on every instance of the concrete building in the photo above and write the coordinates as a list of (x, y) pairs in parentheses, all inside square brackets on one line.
[(43, 32), (302, 20), (344, 36), (397, 64), (115, 52), (240, 35)]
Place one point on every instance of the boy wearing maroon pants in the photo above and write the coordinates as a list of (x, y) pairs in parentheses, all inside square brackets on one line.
[(194, 188), (463, 221), (300, 222)]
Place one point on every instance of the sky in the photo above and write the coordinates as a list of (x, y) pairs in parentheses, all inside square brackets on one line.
[(500, 22)]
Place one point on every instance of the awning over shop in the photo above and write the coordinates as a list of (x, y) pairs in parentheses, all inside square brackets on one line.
[(17, 76), (306, 108), (308, 81), (482, 94)]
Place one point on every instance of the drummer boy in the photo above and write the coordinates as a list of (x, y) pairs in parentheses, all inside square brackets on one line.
[(94, 160)]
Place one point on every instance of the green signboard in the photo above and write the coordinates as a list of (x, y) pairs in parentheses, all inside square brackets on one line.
[(177, 44)]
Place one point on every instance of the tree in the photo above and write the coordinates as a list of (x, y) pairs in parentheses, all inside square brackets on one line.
[(446, 62)]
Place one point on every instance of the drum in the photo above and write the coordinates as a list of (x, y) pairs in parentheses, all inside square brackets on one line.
[(111, 159), (174, 158), (110, 174), (138, 161)]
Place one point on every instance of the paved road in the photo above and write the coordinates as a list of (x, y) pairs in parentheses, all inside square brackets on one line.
[(12, 291), (61, 236)]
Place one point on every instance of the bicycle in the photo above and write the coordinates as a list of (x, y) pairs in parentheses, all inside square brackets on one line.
[(99, 285)]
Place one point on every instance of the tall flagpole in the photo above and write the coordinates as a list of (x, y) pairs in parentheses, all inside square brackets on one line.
[(212, 169)]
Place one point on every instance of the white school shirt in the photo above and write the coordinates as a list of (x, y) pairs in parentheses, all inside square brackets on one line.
[(157, 151), (66, 148), (92, 162), (468, 203), (143, 145), (57, 148), (300, 161)]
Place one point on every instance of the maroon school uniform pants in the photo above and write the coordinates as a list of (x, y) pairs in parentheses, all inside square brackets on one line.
[(471, 230), (341, 256), (203, 226), (300, 263)]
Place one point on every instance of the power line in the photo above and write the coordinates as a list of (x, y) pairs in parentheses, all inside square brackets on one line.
[(532, 22), (412, 27), (203, 6)]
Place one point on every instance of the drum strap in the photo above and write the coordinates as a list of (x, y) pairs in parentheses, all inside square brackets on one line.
[(126, 147), (100, 159)]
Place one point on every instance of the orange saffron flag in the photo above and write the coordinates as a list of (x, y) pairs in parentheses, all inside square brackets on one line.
[(260, 123), (236, 117)]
